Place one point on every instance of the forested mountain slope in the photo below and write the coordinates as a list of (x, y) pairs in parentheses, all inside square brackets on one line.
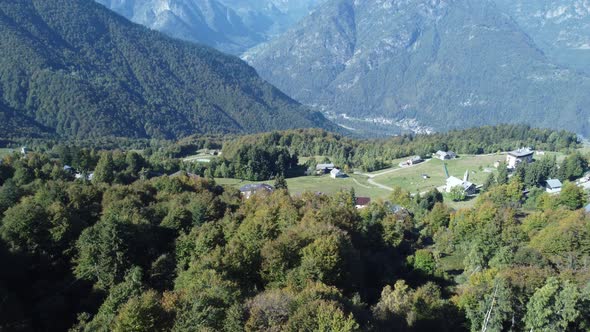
[(447, 64), (83, 71)]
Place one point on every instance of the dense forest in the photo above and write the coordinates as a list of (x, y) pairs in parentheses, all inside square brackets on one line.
[(77, 70), (134, 249)]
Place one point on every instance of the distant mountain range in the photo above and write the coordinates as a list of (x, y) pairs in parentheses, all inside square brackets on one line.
[(232, 26), (76, 69), (423, 65), (561, 28)]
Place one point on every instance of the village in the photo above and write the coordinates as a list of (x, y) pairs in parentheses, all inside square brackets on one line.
[(444, 171)]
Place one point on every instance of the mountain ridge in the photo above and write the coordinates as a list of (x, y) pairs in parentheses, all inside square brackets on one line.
[(78, 68), (444, 64), (561, 28), (230, 26)]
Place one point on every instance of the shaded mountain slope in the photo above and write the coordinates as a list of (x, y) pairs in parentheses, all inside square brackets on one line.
[(80, 69)]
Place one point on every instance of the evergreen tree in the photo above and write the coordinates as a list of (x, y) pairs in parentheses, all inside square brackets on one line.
[(490, 182), (502, 173), (553, 307), (280, 182), (104, 171)]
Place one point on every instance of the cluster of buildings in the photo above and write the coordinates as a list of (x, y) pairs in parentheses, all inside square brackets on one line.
[(525, 155)]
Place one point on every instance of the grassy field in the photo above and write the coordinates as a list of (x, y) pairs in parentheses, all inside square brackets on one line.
[(407, 178), (324, 184), (203, 155), (411, 178)]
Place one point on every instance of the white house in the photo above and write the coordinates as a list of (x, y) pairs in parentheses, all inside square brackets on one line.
[(513, 158), (250, 189), (324, 168), (336, 173), (553, 186)]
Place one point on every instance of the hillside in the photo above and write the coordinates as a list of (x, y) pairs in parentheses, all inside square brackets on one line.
[(423, 65), (83, 71), (135, 251), (14, 124), (232, 26), (561, 28)]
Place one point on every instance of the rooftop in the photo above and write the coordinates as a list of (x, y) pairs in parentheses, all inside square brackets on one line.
[(256, 187), (554, 183), (336, 171), (522, 152), (454, 182), (324, 166), (362, 201)]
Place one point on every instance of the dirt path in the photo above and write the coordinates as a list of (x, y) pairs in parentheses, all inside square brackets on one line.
[(360, 184), (382, 186)]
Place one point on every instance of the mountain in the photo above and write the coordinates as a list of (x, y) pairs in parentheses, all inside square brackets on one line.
[(272, 17), (13, 124), (422, 65), (204, 21), (83, 71), (232, 26), (561, 28)]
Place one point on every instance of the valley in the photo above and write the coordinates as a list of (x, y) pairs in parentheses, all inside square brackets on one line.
[(446, 65), (294, 165)]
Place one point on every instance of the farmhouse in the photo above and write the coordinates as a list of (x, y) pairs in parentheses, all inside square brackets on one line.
[(250, 189), (453, 182), (362, 202), (324, 168), (518, 156), (413, 161), (416, 160), (445, 155), (336, 173), (553, 186)]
